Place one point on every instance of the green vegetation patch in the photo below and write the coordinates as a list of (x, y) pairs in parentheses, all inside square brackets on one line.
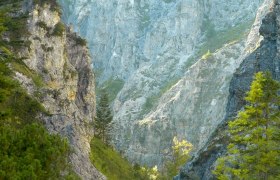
[(59, 29), (112, 86), (114, 167), (53, 4), (43, 25), (216, 40), (20, 67), (13, 27), (29, 152), (153, 100), (111, 163), (80, 41)]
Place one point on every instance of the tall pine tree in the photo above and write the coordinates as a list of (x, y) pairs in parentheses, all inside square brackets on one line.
[(103, 117), (254, 151)]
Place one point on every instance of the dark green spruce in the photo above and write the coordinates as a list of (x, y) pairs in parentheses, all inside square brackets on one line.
[(103, 118)]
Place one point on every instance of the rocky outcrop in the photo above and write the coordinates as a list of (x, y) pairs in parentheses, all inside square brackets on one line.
[(263, 58), (67, 89)]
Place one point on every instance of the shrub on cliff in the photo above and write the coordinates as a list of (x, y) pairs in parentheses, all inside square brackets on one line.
[(59, 29)]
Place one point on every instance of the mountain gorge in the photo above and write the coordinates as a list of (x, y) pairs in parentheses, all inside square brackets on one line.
[(172, 68), (169, 64)]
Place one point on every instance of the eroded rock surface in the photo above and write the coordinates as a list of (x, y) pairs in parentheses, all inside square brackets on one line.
[(67, 90)]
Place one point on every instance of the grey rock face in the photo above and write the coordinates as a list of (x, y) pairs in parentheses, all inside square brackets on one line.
[(146, 138), (150, 45), (263, 58), (68, 93)]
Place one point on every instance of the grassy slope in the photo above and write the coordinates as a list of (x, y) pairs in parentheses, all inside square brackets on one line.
[(111, 164), (112, 86)]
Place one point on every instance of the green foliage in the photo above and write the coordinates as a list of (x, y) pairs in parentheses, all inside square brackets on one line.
[(43, 25), (153, 100), (103, 117), (14, 26), (112, 165), (255, 139), (59, 29), (30, 152), (19, 66), (150, 173), (80, 41), (3, 28)]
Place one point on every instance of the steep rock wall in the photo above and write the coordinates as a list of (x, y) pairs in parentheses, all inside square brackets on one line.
[(67, 90), (263, 58)]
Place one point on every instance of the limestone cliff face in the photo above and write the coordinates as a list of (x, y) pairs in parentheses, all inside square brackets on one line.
[(150, 45), (67, 90), (264, 57)]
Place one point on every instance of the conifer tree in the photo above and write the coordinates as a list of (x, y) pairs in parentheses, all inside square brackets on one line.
[(254, 149), (103, 117)]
